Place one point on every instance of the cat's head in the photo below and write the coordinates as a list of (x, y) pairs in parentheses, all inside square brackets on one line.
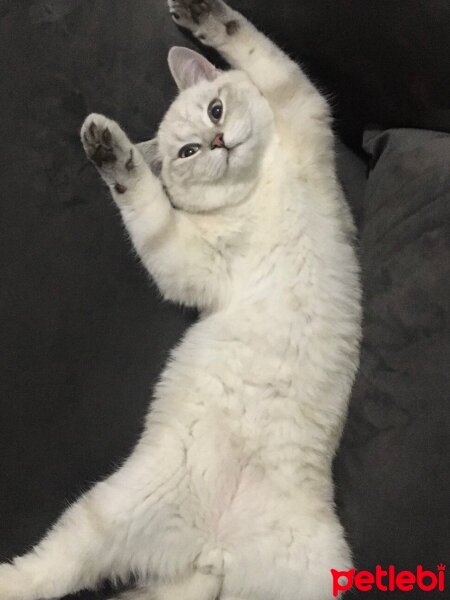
[(211, 141)]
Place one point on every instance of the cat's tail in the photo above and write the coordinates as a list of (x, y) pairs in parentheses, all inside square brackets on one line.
[(204, 582), (200, 586), (207, 580)]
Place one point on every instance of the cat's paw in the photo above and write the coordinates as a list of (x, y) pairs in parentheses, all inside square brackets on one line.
[(109, 148), (190, 13), (195, 15)]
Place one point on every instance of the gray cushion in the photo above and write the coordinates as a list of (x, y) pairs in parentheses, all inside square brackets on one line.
[(352, 173), (393, 468)]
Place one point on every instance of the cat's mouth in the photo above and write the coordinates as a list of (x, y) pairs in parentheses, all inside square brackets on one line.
[(230, 149), (236, 146), (224, 142), (224, 146)]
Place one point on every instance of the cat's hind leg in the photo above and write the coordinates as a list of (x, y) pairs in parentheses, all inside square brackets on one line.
[(74, 554), (125, 524)]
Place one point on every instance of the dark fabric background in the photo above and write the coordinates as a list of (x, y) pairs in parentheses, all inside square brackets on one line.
[(83, 331)]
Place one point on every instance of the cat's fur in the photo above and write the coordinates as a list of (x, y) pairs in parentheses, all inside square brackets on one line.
[(229, 491)]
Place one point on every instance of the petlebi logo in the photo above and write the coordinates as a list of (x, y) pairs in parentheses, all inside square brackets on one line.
[(389, 580)]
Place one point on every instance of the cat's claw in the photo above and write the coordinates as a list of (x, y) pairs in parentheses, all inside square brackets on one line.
[(110, 149)]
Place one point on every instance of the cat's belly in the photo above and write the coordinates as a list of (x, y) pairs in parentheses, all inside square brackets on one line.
[(228, 487), (238, 497), (258, 417), (247, 468)]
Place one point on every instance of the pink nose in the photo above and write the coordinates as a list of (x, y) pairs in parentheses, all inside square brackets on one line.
[(218, 142)]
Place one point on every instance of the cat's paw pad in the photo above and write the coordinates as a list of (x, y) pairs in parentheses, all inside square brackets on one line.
[(189, 12), (109, 148), (104, 141), (194, 13)]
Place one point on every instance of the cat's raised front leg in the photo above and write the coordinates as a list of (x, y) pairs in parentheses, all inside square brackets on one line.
[(120, 163), (216, 24), (185, 266), (294, 99)]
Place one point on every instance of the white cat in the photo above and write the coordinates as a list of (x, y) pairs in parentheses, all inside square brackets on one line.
[(229, 491)]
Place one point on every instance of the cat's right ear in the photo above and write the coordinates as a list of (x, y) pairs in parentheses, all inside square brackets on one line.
[(150, 152), (189, 67)]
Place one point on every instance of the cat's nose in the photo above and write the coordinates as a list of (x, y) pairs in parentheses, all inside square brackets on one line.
[(218, 142)]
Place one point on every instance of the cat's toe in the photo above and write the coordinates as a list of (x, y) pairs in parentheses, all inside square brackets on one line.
[(189, 13), (180, 12)]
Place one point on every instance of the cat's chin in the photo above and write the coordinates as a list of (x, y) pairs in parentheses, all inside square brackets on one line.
[(228, 183), (206, 198)]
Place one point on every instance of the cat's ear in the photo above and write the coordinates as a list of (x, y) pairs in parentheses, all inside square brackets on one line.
[(150, 152), (189, 67)]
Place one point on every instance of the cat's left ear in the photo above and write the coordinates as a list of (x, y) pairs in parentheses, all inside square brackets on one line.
[(189, 67), (150, 152)]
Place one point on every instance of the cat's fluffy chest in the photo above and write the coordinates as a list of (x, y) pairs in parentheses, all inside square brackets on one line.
[(253, 346), (263, 240)]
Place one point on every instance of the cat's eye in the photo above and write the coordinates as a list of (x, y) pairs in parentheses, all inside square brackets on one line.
[(189, 150), (215, 110)]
